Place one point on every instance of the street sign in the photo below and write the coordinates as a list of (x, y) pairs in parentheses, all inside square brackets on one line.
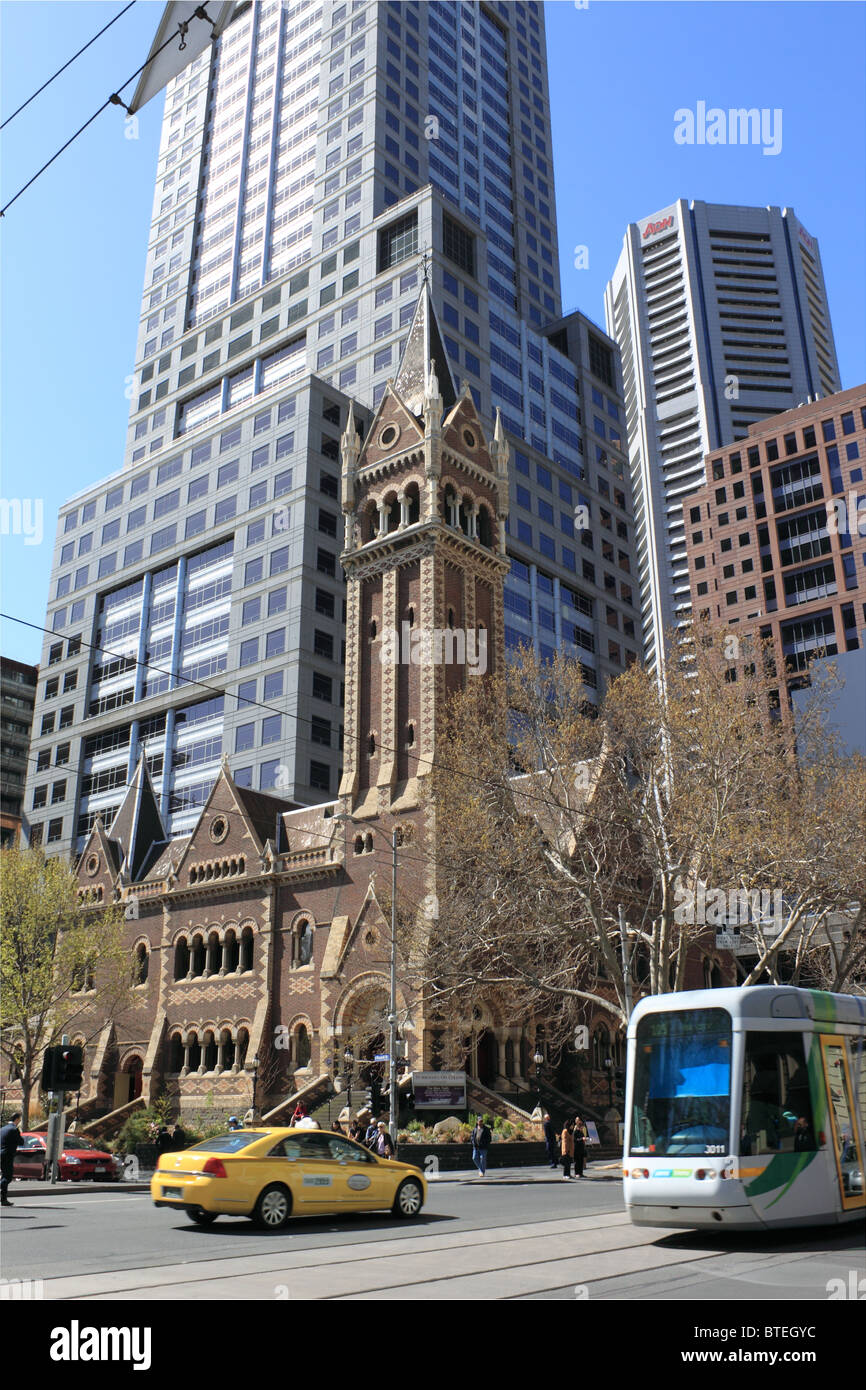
[(382, 1057), (727, 940), (439, 1090)]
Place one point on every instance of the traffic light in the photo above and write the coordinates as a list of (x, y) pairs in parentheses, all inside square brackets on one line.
[(375, 1095), (70, 1069), (62, 1068)]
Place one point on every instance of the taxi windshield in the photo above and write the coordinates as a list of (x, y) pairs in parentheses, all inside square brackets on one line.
[(229, 1143)]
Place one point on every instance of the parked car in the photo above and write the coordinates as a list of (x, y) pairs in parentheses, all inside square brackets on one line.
[(80, 1159)]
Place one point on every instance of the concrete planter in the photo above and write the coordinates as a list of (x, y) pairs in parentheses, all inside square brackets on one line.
[(452, 1158)]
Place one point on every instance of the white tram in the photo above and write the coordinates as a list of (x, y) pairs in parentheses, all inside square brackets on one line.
[(746, 1108)]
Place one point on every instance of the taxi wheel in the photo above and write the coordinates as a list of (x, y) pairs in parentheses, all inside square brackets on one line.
[(203, 1218), (409, 1198), (273, 1208)]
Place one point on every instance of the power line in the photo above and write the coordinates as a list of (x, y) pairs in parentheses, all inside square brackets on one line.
[(113, 100), (18, 111), (289, 714)]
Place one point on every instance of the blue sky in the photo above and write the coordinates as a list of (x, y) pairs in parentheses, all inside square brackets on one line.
[(73, 245)]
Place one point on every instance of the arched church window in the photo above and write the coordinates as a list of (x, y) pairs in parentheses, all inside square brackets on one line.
[(142, 960), (302, 944), (181, 959)]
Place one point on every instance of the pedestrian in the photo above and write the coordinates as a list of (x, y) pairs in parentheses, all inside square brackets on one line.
[(299, 1114), (234, 1123), (10, 1143), (566, 1148), (550, 1142), (163, 1140), (356, 1131), (337, 1128), (581, 1135), (371, 1134), (384, 1142), (179, 1139), (481, 1137)]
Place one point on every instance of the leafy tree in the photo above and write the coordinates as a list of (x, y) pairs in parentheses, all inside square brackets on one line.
[(570, 836), (63, 969)]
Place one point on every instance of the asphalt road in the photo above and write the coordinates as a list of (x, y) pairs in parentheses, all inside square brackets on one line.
[(476, 1240)]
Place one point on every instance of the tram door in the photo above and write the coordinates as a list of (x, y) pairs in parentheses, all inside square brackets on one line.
[(847, 1146)]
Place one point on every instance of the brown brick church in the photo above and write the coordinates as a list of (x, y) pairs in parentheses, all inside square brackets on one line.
[(260, 935)]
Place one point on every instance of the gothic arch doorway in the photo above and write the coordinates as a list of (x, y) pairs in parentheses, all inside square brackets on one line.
[(127, 1082)]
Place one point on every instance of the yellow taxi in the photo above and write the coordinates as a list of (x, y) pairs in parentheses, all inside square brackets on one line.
[(272, 1174)]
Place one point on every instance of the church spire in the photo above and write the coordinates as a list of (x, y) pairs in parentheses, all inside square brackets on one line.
[(424, 351)]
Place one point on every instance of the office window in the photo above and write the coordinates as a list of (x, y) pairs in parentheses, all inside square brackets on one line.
[(275, 643), (398, 241), (458, 244), (273, 688), (272, 728)]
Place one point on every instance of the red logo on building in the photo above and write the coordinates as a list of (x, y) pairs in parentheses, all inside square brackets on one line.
[(652, 227)]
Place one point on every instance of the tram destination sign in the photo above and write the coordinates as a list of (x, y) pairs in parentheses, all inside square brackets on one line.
[(439, 1090)]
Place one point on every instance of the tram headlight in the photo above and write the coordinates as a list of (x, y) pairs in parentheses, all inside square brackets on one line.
[(640, 1172), (701, 1173)]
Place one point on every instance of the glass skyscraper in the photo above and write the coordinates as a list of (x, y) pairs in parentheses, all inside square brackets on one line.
[(722, 319), (315, 163)]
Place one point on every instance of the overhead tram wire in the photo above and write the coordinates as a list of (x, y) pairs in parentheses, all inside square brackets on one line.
[(113, 100), (272, 709), (41, 89)]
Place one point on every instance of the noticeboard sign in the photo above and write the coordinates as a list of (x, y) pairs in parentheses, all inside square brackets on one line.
[(439, 1090), (727, 940)]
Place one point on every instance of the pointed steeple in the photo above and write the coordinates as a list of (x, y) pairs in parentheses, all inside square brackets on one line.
[(424, 349), (138, 824)]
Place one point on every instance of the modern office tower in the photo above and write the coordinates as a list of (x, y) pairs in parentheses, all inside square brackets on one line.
[(721, 316), (17, 698), (776, 540), (316, 164)]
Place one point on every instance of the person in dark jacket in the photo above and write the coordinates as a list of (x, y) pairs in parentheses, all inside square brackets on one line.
[(550, 1142), (581, 1135), (179, 1139), (164, 1141), (10, 1143), (481, 1137)]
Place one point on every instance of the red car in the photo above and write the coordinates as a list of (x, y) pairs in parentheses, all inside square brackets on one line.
[(79, 1159)]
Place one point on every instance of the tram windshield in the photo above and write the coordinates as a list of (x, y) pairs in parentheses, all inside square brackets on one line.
[(682, 1083)]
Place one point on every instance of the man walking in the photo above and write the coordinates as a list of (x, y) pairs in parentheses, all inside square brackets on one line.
[(10, 1143), (481, 1137)]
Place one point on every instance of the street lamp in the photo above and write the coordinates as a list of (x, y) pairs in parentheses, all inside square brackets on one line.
[(349, 1059), (344, 818), (608, 1066), (255, 1078), (538, 1059)]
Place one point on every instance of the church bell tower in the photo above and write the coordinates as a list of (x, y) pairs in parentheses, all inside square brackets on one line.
[(425, 497)]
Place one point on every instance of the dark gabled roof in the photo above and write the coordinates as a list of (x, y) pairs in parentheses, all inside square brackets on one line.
[(262, 810), (138, 822), (423, 346)]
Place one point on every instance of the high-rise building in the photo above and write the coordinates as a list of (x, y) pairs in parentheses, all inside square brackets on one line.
[(721, 316), (316, 164), (776, 536), (17, 698)]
